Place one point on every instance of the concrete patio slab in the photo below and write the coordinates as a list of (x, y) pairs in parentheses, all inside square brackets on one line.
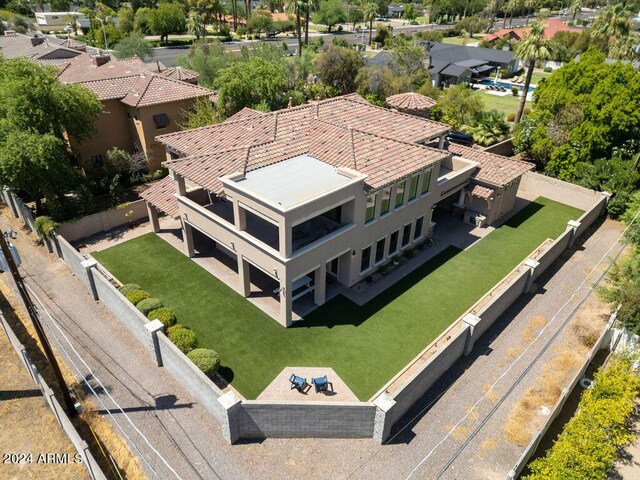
[(280, 388)]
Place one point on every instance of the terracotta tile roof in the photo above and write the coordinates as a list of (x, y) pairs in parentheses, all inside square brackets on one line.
[(494, 169), (481, 192), (112, 88), (179, 73), (410, 101), (161, 196), (18, 45), (153, 89), (82, 69), (384, 160), (552, 26)]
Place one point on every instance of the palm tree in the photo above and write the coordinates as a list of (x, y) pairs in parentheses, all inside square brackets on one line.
[(309, 5), (613, 21), (575, 8), (370, 10), (511, 7), (534, 47), (195, 25), (530, 5), (296, 7)]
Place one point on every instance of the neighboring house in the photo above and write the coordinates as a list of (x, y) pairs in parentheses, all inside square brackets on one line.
[(552, 26), (43, 48), (456, 64), (383, 58), (138, 105), (57, 19), (395, 11), (323, 192)]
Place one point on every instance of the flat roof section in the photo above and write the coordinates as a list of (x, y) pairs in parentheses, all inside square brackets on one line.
[(293, 181)]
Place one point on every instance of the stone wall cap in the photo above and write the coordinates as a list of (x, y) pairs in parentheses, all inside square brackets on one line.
[(384, 402), (154, 326), (229, 399), (471, 319)]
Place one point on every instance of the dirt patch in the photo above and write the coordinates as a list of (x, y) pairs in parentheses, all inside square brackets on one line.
[(529, 412), (106, 440)]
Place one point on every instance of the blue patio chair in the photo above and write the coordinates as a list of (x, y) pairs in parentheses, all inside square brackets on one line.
[(299, 383), (321, 384)]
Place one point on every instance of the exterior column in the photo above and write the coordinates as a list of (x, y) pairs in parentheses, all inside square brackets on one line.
[(441, 143), (240, 216), (285, 302), (245, 278), (153, 217), (320, 284), (187, 239), (285, 240), (181, 186), (461, 197)]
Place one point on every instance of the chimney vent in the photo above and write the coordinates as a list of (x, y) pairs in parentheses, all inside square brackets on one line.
[(101, 59), (37, 40)]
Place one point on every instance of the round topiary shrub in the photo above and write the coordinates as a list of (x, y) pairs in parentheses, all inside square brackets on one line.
[(136, 296), (148, 304), (205, 359), (165, 315), (182, 337), (129, 287)]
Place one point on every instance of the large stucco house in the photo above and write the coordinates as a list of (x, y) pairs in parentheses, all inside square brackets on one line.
[(328, 191)]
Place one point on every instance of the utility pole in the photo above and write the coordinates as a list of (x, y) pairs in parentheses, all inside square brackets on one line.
[(33, 315)]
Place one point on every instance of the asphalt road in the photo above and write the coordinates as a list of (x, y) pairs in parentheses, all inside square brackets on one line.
[(168, 55)]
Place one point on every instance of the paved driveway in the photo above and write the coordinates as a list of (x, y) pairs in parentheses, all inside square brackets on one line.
[(192, 443)]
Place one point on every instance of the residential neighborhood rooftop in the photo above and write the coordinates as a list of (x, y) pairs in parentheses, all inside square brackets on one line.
[(40, 47), (410, 101)]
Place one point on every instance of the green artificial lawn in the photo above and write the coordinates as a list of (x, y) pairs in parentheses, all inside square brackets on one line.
[(365, 345)]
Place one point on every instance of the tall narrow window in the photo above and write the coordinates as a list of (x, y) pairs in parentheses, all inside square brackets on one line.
[(400, 193), (366, 259), (406, 234), (426, 180), (418, 233), (371, 208), (386, 200), (393, 242), (380, 250), (413, 188)]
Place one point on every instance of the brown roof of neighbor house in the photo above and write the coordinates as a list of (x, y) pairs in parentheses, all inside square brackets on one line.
[(153, 89), (179, 73), (83, 69), (161, 196), (482, 192), (410, 101), (494, 169), (16, 45)]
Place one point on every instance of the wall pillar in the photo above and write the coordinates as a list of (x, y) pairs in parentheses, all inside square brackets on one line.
[(187, 239), (231, 422), (153, 217), (532, 264), (607, 196), (89, 265), (320, 284), (153, 327), (573, 225), (382, 423), (11, 203), (285, 238), (245, 279), (472, 321), (181, 186), (239, 216), (441, 143), (285, 302)]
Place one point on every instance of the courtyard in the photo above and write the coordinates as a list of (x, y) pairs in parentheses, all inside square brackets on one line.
[(365, 345)]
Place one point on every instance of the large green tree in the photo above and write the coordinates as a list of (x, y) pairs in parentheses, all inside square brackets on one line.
[(133, 45), (338, 67), (168, 18), (330, 14), (207, 59)]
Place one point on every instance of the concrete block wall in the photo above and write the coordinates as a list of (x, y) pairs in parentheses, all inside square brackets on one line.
[(553, 251), (589, 216), (304, 420), (20, 209), (503, 300), (191, 377), (563, 192), (124, 310), (103, 221), (72, 258), (422, 380)]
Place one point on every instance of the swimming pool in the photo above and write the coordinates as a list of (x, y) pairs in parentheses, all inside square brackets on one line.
[(504, 84)]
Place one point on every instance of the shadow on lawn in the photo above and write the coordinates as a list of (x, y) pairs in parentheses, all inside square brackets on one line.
[(342, 311)]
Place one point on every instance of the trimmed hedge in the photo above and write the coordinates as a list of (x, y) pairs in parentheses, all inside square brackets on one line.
[(129, 287), (136, 296), (590, 443), (205, 359), (165, 315), (184, 338), (148, 304)]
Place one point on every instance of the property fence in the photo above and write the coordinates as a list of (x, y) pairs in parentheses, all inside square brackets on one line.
[(104, 221), (19, 209), (240, 418), (59, 412), (606, 341)]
